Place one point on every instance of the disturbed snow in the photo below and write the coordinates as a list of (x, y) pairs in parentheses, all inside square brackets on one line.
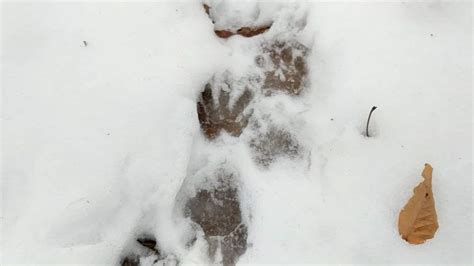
[(99, 140)]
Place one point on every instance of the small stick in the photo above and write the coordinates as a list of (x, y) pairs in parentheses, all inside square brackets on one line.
[(148, 243), (368, 120)]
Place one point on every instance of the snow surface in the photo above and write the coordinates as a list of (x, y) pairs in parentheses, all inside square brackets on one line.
[(98, 140)]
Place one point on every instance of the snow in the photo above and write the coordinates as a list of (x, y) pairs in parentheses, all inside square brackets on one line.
[(101, 142)]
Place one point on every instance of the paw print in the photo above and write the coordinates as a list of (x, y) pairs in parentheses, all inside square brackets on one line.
[(274, 143), (285, 67), (217, 211), (216, 116)]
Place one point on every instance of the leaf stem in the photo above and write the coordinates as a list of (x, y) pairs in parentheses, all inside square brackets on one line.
[(368, 121)]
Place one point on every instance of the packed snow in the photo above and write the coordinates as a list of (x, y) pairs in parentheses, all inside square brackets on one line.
[(101, 140)]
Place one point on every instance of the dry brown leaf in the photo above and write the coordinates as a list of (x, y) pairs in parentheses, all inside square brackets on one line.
[(418, 220)]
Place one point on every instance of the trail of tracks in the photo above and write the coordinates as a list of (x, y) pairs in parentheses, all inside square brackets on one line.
[(226, 106)]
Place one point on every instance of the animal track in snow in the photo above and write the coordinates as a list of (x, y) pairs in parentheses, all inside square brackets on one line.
[(218, 213), (215, 112), (211, 200), (285, 64), (281, 67), (275, 143)]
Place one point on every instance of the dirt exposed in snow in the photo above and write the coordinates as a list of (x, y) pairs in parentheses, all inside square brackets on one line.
[(287, 66), (110, 154), (146, 249), (217, 212), (244, 31), (272, 144), (216, 114)]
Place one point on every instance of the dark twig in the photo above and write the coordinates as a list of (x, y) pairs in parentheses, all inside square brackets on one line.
[(368, 121), (148, 243)]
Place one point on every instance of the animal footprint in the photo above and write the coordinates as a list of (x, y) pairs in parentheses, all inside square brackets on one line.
[(273, 144), (217, 211), (285, 67), (215, 116)]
